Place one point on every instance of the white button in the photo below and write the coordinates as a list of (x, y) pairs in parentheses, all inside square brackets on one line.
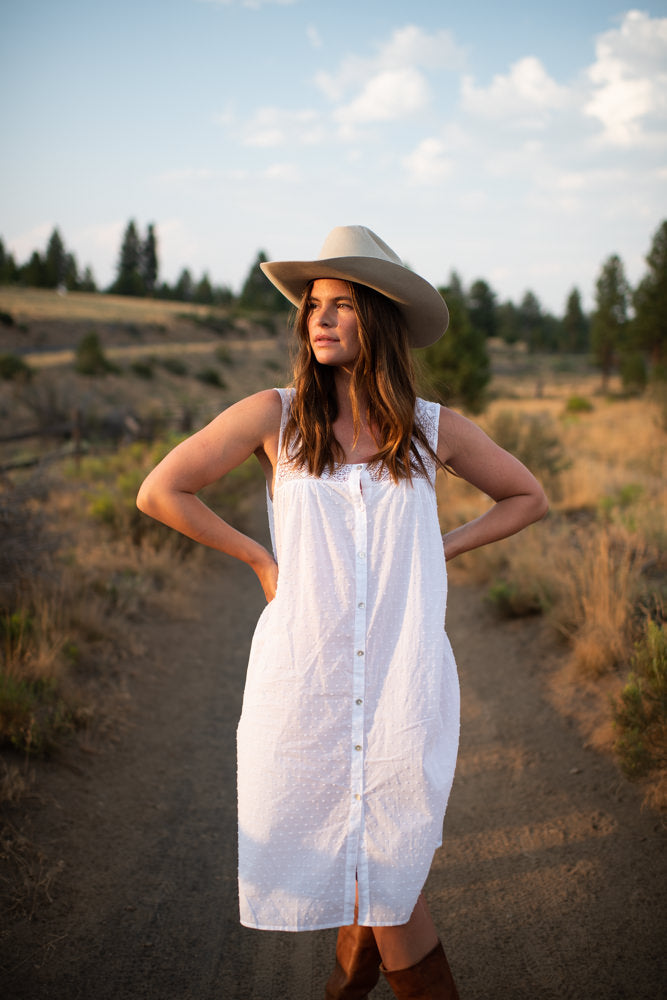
[(362, 555), (360, 652), (360, 701), (357, 747), (361, 604), (358, 797), (360, 467)]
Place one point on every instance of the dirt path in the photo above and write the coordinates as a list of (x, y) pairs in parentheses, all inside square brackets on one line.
[(550, 883)]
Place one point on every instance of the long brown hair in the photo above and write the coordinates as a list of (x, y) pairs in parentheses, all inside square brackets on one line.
[(383, 370)]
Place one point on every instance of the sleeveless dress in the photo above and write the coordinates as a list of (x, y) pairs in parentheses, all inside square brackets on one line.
[(348, 736)]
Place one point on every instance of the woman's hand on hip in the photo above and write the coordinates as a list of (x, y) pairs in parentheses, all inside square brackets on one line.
[(267, 574)]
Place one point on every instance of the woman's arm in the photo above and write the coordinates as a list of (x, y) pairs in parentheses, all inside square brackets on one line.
[(471, 454), (169, 492)]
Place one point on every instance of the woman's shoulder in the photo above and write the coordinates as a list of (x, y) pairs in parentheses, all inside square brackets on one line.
[(260, 408), (426, 411)]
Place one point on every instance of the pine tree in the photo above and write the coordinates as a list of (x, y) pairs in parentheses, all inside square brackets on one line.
[(71, 276), (149, 261), (87, 282), (649, 328), (32, 273), (8, 268), (457, 366), (481, 301), (531, 322), (55, 262), (258, 292), (185, 287), (129, 280), (203, 292), (610, 318), (508, 322), (575, 325)]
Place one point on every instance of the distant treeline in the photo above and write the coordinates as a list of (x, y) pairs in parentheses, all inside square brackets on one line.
[(627, 329)]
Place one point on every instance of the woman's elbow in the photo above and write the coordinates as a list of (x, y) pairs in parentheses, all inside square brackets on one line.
[(540, 505), (146, 499)]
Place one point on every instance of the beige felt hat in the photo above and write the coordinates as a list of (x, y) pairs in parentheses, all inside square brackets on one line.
[(354, 253)]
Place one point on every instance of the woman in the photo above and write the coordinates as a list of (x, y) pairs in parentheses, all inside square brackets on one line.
[(349, 731)]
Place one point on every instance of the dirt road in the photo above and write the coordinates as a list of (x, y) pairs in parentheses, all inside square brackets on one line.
[(550, 884)]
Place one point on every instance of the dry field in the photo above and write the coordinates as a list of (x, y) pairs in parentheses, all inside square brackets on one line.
[(596, 568), (79, 562)]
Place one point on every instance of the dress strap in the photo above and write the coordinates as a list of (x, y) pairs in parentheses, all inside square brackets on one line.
[(286, 396), (427, 415)]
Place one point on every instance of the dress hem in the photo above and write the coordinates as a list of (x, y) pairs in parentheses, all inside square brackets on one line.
[(316, 927)]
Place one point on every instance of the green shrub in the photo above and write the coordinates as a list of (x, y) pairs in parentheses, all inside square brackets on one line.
[(640, 714), (15, 628), (34, 718), (224, 355), (210, 376), (617, 506), (90, 359), (221, 325), (174, 365), (514, 600), (634, 374), (579, 404), (14, 367), (142, 369)]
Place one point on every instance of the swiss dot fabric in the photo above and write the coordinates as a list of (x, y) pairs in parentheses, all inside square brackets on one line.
[(348, 737)]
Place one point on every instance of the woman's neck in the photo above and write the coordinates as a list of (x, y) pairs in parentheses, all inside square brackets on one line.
[(343, 382), (357, 443)]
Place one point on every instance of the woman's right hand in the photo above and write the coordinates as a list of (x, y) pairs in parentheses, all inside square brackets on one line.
[(267, 574)]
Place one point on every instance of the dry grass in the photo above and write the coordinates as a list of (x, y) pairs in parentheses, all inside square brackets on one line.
[(596, 566), (65, 628), (77, 560), (30, 305)]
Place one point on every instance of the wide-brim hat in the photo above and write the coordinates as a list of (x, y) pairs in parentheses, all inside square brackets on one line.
[(355, 253)]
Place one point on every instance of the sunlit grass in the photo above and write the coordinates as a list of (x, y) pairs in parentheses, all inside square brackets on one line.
[(596, 566)]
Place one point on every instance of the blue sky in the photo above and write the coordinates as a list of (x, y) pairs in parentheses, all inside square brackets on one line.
[(520, 142)]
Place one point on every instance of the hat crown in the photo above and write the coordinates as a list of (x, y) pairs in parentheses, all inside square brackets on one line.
[(357, 241)]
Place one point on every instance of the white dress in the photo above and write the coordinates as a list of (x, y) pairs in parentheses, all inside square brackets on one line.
[(348, 737)]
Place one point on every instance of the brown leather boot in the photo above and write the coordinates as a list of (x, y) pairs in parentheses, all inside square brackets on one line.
[(429, 979), (357, 964)]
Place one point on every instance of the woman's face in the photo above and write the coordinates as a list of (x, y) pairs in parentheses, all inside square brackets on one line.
[(332, 323)]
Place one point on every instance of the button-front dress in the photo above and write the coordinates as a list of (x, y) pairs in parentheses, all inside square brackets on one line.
[(348, 736)]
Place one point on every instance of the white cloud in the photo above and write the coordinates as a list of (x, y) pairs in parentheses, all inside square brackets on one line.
[(282, 172), (629, 78), (407, 48), (186, 174), (392, 83), (387, 96), (526, 95), (313, 36), (410, 46), (270, 127), (427, 164), (225, 117)]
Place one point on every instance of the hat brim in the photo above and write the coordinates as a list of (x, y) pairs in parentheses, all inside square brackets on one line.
[(422, 305)]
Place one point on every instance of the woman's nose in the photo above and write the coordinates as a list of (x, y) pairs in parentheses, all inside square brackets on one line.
[(326, 316)]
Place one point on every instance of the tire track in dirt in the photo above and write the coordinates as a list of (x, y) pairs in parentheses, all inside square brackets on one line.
[(549, 883)]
